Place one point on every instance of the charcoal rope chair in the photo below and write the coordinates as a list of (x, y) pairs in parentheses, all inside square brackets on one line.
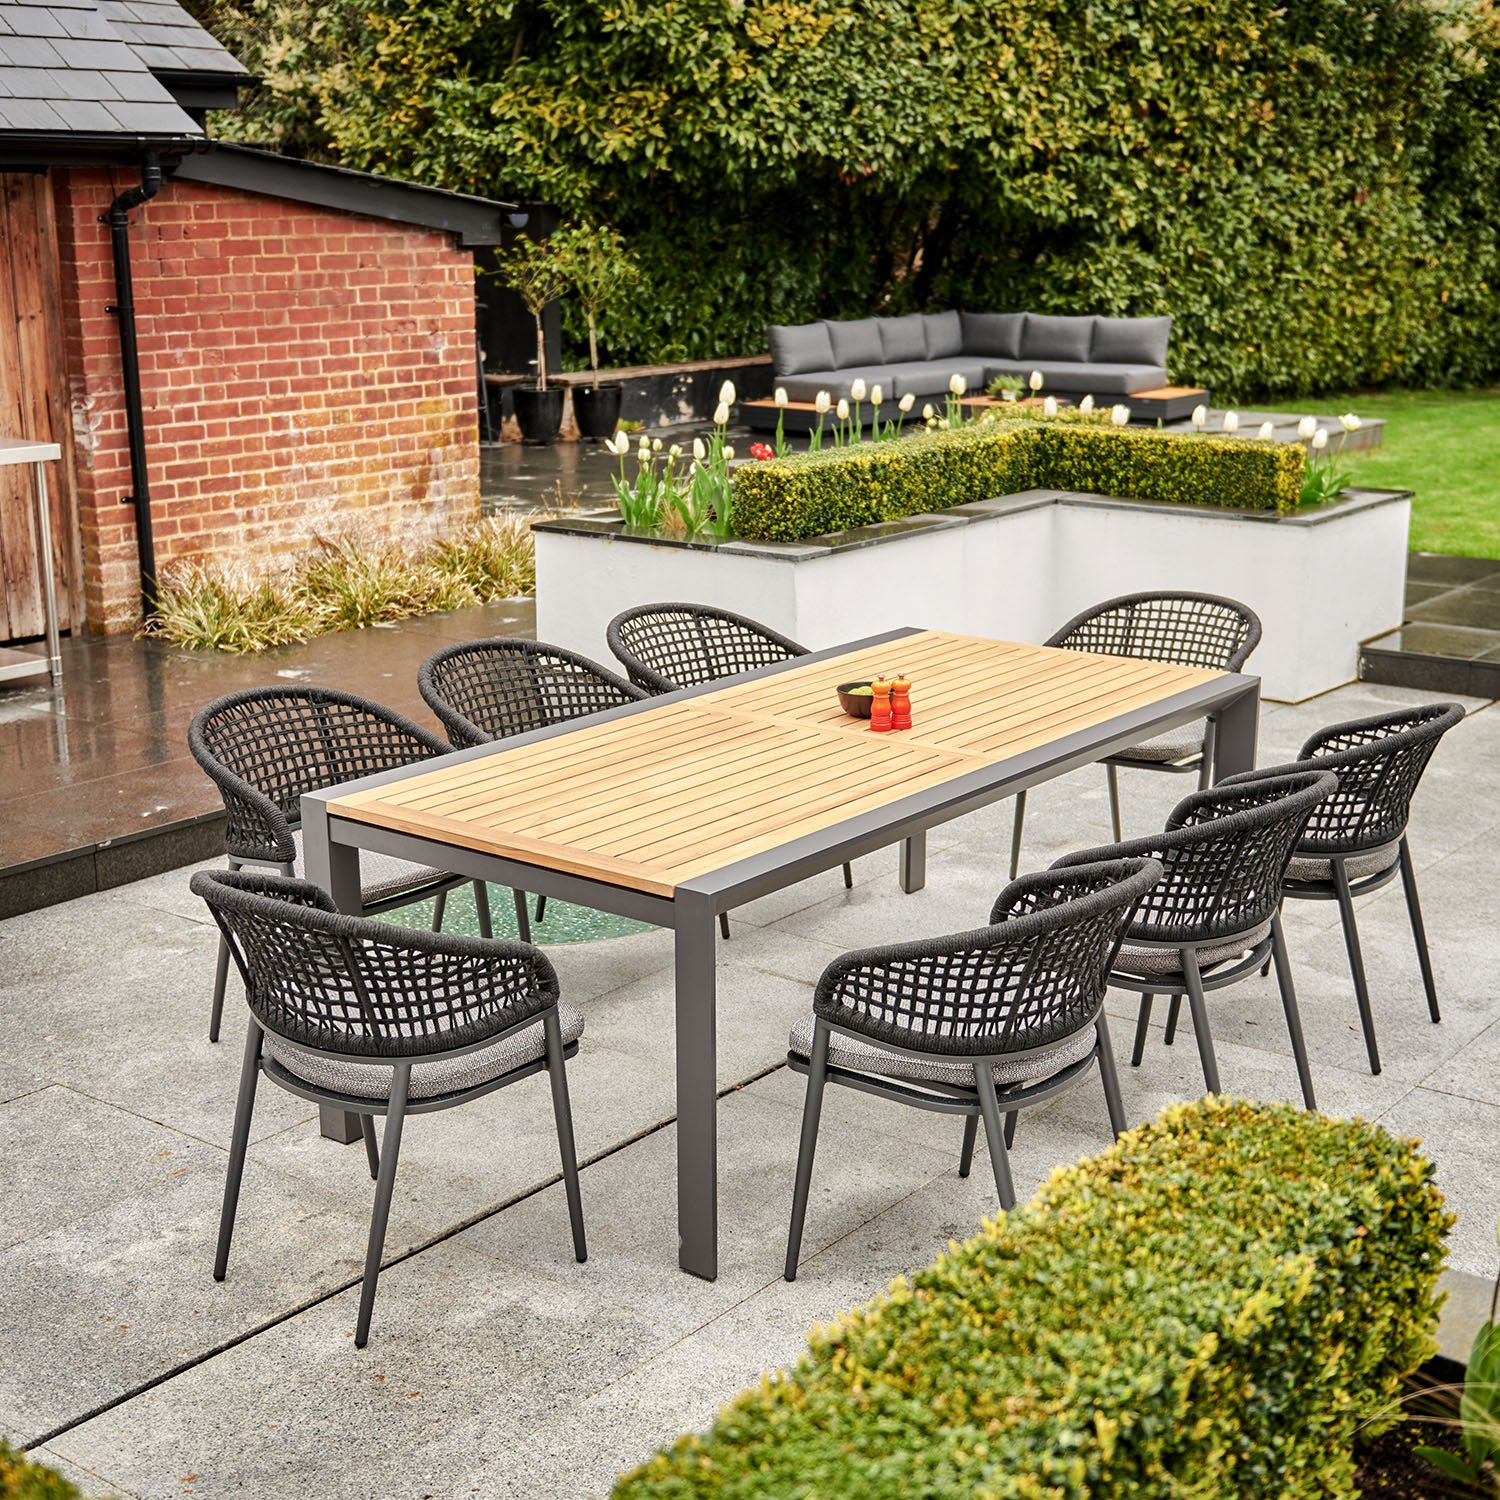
[(264, 747), (482, 691), (1214, 918), (1187, 630), (978, 1023), (665, 647), (1355, 841), (381, 1020)]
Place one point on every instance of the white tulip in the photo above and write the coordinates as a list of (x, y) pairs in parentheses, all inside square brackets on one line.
[(906, 403), (927, 412), (1035, 382), (957, 384), (1049, 407), (781, 395), (841, 411), (645, 443), (1306, 427), (619, 444), (877, 396), (821, 402), (1265, 432), (857, 390), (1349, 422), (726, 393), (721, 414), (656, 445), (1086, 405), (728, 453), (700, 449), (675, 451), (1119, 415), (1231, 422), (1199, 417), (1320, 439)]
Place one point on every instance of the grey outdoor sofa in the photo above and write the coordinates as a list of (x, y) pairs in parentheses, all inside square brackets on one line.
[(917, 355)]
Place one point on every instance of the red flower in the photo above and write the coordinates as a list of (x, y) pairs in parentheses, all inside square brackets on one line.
[(762, 451)]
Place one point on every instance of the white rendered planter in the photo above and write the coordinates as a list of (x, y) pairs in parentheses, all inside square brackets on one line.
[(1013, 568)]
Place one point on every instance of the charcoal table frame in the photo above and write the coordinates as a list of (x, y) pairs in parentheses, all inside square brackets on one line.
[(332, 843)]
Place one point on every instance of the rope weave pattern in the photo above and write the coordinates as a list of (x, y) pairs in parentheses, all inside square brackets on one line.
[(668, 646), (1188, 630)]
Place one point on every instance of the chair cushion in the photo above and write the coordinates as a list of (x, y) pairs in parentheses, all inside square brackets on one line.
[(993, 335), (381, 875), (855, 341), (371, 1080), (945, 335), (1176, 744), (1130, 341), (902, 338), (798, 347), (1044, 337), (837, 383), (1356, 867), (1134, 959), (926, 378), (861, 1057), (1067, 378)]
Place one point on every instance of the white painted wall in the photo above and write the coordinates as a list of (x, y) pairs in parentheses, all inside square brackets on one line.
[(1319, 589)]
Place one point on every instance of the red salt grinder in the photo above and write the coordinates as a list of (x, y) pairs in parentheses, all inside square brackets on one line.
[(901, 702), (880, 708)]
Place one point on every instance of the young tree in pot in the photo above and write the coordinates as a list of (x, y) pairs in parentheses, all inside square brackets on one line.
[(536, 271), (599, 270)]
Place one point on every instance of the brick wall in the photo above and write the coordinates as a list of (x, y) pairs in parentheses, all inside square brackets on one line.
[(303, 372)]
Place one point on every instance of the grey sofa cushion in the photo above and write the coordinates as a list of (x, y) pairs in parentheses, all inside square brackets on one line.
[(902, 339), (837, 382), (996, 335), (1044, 337), (927, 378), (1130, 341), (945, 335), (800, 346), (856, 341), (1078, 378)]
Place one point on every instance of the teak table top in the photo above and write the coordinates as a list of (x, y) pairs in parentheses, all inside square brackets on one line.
[(655, 798)]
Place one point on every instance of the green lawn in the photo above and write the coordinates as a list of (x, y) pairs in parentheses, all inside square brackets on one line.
[(1444, 445)]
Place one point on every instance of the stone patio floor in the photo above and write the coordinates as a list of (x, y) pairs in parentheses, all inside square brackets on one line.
[(497, 1366)]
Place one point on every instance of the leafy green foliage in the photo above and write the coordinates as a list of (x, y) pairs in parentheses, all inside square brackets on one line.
[(814, 493), (1310, 188), (1206, 1309), (20, 1480)]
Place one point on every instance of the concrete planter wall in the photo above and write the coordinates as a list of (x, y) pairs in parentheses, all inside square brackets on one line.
[(1014, 568)]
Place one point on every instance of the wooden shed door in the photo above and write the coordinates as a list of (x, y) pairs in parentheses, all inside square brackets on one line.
[(33, 405)]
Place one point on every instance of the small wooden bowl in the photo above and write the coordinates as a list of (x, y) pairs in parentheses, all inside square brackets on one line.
[(856, 705)]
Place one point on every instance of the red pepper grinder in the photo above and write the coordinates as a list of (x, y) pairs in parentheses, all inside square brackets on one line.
[(901, 702), (880, 708)]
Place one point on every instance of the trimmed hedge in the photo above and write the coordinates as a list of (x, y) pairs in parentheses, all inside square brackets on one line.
[(1207, 1309), (811, 494), (22, 1480)]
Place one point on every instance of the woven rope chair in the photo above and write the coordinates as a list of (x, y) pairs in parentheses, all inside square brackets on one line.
[(665, 647), (1188, 630), (1355, 840), (996, 1019), (1215, 916), (382, 1020), (264, 747)]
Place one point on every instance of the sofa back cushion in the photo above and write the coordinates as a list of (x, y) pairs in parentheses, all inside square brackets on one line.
[(1130, 341), (856, 341), (902, 339), (1046, 337), (945, 335), (993, 335), (797, 348)]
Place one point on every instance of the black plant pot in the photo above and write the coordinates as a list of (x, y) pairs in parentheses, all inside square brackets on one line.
[(539, 412), (597, 408)]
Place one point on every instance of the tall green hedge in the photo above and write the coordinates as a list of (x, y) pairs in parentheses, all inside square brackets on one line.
[(1309, 186), (810, 494), (1208, 1310)]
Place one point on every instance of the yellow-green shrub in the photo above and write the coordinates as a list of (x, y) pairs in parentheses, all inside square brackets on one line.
[(1207, 1309), (811, 494), (20, 1480)]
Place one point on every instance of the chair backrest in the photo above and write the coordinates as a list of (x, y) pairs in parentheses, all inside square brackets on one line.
[(364, 988), (265, 747), (669, 646), (490, 690), (1033, 978), (1189, 630), (1223, 855)]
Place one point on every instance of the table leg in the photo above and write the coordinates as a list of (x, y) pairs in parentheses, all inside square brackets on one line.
[(1238, 728), (914, 862), (697, 1102)]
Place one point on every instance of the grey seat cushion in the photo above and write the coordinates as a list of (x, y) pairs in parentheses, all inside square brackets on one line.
[(381, 875), (993, 335), (855, 341), (1046, 337), (850, 1052), (1356, 867), (1135, 959), (837, 383), (370, 1080), (798, 347), (1164, 749), (924, 379), (945, 335), (1081, 378), (1130, 341)]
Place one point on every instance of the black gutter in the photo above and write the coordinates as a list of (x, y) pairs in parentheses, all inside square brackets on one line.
[(118, 220)]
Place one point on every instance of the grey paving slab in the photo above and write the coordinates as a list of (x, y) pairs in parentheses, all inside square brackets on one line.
[(1473, 1072), (93, 1485)]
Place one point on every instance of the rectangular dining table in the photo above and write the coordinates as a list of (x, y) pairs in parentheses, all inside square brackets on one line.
[(680, 807)]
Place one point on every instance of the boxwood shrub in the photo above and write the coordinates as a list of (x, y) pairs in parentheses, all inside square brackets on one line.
[(1207, 1309), (22, 1480), (813, 493)]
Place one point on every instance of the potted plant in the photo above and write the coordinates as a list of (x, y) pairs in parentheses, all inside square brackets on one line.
[(536, 271), (598, 269)]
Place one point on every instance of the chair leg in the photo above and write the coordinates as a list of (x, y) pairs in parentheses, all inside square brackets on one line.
[(1015, 834), (563, 1114), (848, 876), (482, 908), (1199, 1007), (439, 906), (1111, 1079), (221, 975), (1142, 1030), (1114, 801), (1010, 1127), (1418, 929), (1356, 962), (384, 1185), (1174, 1013), (523, 917), (812, 1110), (372, 1147), (994, 1135), (724, 923), (1293, 1015), (541, 907), (966, 1156), (239, 1143)]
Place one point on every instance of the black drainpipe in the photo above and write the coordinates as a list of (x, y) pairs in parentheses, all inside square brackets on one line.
[(118, 219)]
